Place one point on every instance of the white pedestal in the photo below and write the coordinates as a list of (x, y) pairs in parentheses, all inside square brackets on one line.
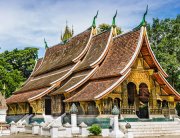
[(3, 115), (75, 129), (35, 129), (54, 132), (13, 128), (61, 132), (105, 132), (129, 135), (116, 133)]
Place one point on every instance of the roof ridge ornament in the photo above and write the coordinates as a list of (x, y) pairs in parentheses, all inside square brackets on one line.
[(46, 46), (94, 19), (143, 22), (114, 20)]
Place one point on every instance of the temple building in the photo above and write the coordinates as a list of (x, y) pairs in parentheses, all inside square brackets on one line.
[(97, 71)]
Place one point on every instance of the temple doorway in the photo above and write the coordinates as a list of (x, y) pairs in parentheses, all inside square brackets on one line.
[(30, 109), (133, 99), (48, 106), (117, 102), (144, 100), (92, 109), (131, 87)]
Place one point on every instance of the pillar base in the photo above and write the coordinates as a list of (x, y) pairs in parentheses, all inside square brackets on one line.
[(117, 134)]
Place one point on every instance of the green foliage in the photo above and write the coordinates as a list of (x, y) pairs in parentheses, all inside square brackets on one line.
[(95, 130), (15, 68), (103, 27), (164, 36), (22, 60), (178, 108)]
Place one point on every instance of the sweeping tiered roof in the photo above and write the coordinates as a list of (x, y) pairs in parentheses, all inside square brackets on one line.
[(89, 66), (58, 63)]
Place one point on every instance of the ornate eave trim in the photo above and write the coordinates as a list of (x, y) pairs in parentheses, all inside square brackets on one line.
[(139, 45), (113, 86), (42, 93), (99, 60), (153, 56), (85, 49), (82, 81), (169, 85), (67, 74), (41, 63)]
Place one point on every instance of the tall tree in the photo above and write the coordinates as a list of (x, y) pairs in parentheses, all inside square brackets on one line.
[(10, 79), (22, 60), (103, 27), (164, 37), (15, 68)]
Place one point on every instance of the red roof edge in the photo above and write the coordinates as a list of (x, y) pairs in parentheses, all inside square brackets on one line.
[(139, 45), (85, 49), (169, 85), (42, 93), (116, 84), (153, 56)]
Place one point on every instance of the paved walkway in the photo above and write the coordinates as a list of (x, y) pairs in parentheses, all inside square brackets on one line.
[(21, 135)]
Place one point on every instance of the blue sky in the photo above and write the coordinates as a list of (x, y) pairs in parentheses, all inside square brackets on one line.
[(25, 23)]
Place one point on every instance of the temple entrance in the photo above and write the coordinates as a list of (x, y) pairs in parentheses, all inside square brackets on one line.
[(143, 100), (30, 109), (48, 106), (131, 87), (92, 109), (132, 97), (117, 102)]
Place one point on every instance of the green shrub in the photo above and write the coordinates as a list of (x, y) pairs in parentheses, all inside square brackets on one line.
[(95, 130)]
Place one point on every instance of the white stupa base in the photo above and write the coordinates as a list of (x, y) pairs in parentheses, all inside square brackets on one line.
[(117, 134)]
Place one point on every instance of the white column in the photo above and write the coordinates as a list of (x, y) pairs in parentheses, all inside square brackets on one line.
[(13, 127), (54, 131), (83, 130), (35, 128), (68, 130), (74, 112), (116, 133), (3, 115), (61, 132), (40, 128), (75, 129), (73, 120)]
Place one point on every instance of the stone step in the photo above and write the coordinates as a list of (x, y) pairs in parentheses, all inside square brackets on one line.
[(146, 123), (139, 130), (154, 134), (155, 127), (160, 131)]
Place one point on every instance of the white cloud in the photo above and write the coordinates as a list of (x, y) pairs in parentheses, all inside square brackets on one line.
[(24, 23)]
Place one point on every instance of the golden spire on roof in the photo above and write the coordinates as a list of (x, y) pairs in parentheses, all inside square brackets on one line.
[(68, 33)]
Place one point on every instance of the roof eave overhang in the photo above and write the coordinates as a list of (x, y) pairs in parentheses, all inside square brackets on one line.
[(100, 59), (153, 56), (169, 85), (139, 45), (85, 49), (82, 81), (113, 86), (42, 93)]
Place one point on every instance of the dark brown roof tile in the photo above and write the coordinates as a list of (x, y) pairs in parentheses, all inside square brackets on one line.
[(92, 89), (119, 54), (63, 54)]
